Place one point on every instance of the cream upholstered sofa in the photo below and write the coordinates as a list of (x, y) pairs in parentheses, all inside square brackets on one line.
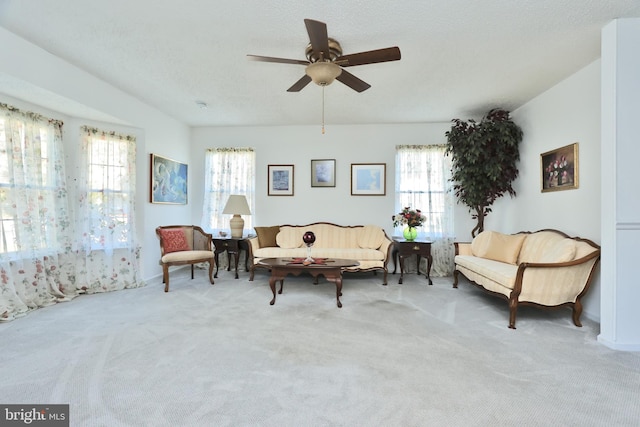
[(545, 268), (367, 244)]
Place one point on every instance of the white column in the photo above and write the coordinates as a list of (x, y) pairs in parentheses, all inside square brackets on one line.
[(620, 186)]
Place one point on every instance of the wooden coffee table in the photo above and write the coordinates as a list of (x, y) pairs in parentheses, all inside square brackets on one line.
[(331, 269)]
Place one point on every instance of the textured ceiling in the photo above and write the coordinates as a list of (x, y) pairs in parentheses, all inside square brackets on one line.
[(459, 57)]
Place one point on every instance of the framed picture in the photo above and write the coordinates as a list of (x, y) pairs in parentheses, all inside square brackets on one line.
[(559, 169), (168, 182), (280, 180), (368, 179), (323, 173)]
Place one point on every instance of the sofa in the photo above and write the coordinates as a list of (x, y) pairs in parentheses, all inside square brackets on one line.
[(544, 268), (367, 244)]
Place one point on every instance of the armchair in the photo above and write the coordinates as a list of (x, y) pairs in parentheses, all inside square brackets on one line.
[(182, 245)]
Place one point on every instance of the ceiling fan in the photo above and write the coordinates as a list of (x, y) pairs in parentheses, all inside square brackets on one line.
[(325, 61)]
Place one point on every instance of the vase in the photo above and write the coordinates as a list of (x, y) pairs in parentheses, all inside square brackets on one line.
[(410, 234)]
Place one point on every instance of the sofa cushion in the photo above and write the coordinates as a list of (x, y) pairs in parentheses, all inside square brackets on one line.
[(496, 271), (370, 237), (497, 246), (290, 237), (563, 251), (341, 253), (174, 240), (267, 236), (181, 256)]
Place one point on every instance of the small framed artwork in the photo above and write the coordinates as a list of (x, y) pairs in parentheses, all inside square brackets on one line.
[(168, 183), (368, 179), (323, 173), (280, 180), (559, 169)]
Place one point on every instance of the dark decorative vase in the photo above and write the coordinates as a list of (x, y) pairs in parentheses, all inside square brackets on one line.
[(309, 238)]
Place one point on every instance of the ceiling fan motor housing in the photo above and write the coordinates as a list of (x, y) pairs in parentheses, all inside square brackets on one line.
[(335, 51)]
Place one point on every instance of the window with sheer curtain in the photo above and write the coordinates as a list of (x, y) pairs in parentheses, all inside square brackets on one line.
[(423, 175), (227, 171), (45, 255), (107, 244), (37, 261)]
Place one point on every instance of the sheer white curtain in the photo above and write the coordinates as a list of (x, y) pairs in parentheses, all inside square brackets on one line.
[(227, 171), (422, 182), (37, 261), (108, 252)]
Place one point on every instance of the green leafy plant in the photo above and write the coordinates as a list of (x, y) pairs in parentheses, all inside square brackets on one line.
[(484, 156)]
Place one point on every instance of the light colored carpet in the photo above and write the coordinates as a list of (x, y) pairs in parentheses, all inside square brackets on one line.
[(400, 355)]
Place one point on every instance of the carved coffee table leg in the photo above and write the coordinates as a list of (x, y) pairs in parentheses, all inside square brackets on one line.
[(272, 285), (339, 290)]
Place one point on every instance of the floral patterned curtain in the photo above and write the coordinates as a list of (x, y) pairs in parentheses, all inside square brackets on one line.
[(422, 182), (227, 171), (37, 260), (108, 252)]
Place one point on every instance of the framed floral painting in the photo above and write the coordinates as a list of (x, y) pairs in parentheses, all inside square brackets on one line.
[(559, 169)]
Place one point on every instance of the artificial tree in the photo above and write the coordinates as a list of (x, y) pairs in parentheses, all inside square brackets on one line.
[(484, 156)]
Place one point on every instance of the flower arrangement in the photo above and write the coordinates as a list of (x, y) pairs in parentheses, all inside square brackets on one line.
[(410, 217)]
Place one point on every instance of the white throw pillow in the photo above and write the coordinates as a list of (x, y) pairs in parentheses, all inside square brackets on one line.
[(562, 252), (370, 237), (290, 237)]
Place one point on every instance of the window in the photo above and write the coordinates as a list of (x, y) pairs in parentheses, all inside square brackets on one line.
[(227, 171), (107, 159), (422, 178), (29, 184), (422, 182)]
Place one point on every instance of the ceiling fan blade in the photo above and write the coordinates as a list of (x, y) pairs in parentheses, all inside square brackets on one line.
[(278, 60), (370, 57), (352, 81), (300, 84), (318, 37)]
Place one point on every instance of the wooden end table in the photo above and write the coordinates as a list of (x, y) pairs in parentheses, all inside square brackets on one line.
[(403, 248), (331, 269), (232, 246)]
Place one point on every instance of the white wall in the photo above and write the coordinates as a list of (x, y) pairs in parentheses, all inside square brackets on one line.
[(298, 145), (568, 112)]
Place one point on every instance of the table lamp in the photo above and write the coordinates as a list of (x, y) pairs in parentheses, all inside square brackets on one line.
[(236, 205)]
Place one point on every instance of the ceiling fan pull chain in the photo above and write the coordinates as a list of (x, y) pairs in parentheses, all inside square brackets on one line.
[(323, 110)]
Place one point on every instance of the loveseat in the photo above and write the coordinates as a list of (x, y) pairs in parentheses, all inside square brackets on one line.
[(545, 268), (367, 244)]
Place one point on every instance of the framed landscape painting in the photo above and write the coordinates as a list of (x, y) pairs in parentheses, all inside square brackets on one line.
[(368, 179), (323, 173), (168, 182), (559, 169), (280, 180)]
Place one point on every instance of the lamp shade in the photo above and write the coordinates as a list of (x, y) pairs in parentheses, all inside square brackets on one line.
[(237, 205)]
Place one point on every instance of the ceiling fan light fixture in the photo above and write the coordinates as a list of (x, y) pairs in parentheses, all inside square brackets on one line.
[(323, 73)]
